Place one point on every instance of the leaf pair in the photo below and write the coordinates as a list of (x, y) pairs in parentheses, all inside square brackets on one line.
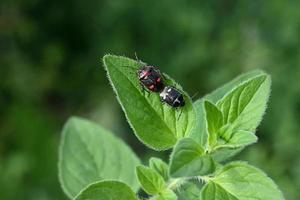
[(240, 181), (189, 159), (228, 117), (96, 165), (152, 180), (228, 125), (89, 154), (231, 122), (222, 135)]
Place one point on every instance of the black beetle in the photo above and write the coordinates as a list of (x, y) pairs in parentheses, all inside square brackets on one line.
[(172, 97)]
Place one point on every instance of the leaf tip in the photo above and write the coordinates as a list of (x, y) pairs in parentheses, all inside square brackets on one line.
[(106, 59)]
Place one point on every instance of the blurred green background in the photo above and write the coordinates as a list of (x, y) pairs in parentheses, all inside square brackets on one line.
[(50, 69)]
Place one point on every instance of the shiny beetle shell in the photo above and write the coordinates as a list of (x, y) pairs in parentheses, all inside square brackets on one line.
[(172, 97), (151, 78)]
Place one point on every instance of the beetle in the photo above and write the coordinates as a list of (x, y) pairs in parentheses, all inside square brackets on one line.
[(151, 78), (172, 97)]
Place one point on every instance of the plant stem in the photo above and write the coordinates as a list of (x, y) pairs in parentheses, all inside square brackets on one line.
[(174, 183)]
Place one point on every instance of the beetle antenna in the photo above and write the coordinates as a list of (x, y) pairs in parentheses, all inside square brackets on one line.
[(138, 60), (136, 57)]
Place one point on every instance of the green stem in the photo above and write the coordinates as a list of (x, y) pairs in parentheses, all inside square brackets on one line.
[(175, 183)]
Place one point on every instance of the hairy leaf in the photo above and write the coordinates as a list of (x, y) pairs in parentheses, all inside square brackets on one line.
[(214, 121), (157, 125), (237, 139), (188, 159), (199, 132), (189, 191), (160, 167), (167, 194), (213, 191), (245, 105), (150, 180), (89, 153), (247, 122), (220, 92), (241, 181), (104, 190)]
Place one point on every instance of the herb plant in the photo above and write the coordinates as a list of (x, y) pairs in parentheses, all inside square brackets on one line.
[(204, 135)]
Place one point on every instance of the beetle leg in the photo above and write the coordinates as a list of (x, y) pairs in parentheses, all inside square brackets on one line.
[(144, 90)]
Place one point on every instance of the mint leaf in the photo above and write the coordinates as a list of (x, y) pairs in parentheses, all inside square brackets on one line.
[(242, 110), (237, 139), (188, 159), (167, 194), (241, 181), (246, 121), (89, 153), (245, 105), (213, 191), (160, 167), (223, 154), (199, 132), (158, 126), (225, 136), (189, 191), (220, 92), (104, 190), (150, 180), (214, 120)]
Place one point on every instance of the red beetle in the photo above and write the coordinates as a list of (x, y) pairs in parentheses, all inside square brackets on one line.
[(151, 78)]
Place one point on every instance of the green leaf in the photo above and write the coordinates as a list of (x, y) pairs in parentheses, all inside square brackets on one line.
[(89, 153), (160, 167), (158, 126), (219, 93), (229, 137), (189, 191), (188, 159), (150, 180), (245, 105), (199, 132), (237, 139), (257, 104), (240, 181), (223, 154), (213, 191), (167, 194), (214, 121), (104, 190)]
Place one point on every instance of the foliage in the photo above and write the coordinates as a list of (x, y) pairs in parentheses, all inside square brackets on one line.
[(239, 180), (49, 58), (230, 123), (148, 117), (88, 153), (103, 190)]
